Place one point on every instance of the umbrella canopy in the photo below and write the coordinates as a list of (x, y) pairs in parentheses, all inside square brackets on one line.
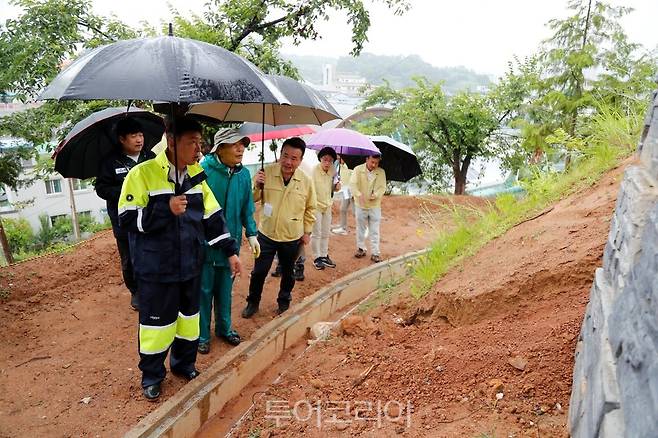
[(254, 131), (398, 160), (164, 68), (91, 139), (301, 105), (344, 141)]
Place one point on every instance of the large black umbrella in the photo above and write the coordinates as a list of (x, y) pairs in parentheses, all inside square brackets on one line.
[(165, 68), (398, 160), (91, 139)]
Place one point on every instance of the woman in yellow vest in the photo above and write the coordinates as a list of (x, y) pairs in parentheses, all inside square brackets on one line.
[(323, 181)]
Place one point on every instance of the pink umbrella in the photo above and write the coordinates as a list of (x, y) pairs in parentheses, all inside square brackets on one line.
[(254, 131), (343, 141)]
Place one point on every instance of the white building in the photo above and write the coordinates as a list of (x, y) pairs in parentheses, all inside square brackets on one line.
[(50, 197)]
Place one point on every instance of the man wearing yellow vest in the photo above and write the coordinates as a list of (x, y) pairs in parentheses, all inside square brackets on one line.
[(368, 185), (167, 205), (287, 215)]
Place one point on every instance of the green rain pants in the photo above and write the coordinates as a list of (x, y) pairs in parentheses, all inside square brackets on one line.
[(217, 286)]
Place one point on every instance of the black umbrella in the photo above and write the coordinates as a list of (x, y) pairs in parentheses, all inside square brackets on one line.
[(91, 139), (398, 160), (165, 68)]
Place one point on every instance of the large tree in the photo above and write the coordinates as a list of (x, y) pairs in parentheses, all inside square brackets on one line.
[(589, 61), (448, 132)]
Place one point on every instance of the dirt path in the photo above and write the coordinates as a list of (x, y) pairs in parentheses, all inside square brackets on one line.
[(442, 366), (68, 355)]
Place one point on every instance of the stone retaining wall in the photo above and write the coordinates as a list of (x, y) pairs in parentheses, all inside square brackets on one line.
[(615, 379)]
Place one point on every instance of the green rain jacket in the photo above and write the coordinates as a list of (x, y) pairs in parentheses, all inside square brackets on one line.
[(234, 193)]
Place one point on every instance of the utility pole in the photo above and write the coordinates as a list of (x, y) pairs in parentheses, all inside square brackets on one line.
[(74, 213)]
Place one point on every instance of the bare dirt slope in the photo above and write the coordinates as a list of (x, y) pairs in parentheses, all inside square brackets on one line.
[(504, 322), (68, 350)]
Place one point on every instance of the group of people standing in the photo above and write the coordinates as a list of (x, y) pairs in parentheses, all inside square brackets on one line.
[(178, 219)]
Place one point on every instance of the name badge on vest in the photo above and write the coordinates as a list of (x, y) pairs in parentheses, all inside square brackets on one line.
[(120, 170)]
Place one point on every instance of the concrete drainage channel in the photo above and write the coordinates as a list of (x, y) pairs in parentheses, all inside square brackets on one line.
[(183, 414)]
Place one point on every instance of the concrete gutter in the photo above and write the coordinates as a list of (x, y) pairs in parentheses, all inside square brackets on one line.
[(183, 414)]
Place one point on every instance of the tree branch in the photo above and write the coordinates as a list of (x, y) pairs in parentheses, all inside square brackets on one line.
[(95, 29), (443, 149), (253, 25)]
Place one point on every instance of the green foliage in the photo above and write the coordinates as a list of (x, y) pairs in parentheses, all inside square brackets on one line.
[(19, 234), (89, 225), (588, 65), (10, 165), (34, 46), (46, 235), (62, 228)]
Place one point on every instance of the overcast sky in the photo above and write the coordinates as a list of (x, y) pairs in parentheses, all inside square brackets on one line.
[(480, 34)]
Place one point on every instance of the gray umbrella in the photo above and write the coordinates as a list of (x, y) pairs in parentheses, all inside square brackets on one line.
[(91, 139), (302, 105), (165, 68)]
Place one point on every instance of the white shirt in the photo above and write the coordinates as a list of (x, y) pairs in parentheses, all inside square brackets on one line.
[(181, 173)]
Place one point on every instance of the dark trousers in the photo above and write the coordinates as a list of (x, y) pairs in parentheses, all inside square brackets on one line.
[(168, 318), (127, 265), (287, 253)]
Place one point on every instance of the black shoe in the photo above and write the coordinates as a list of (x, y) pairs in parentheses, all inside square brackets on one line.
[(204, 347), (232, 338), (281, 309), (319, 263), (189, 375), (298, 273), (152, 392), (328, 262), (277, 271), (249, 311), (134, 302), (360, 253)]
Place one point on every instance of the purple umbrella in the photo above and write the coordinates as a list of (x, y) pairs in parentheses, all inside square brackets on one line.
[(344, 141)]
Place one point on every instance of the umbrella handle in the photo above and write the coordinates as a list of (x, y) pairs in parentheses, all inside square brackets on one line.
[(262, 141)]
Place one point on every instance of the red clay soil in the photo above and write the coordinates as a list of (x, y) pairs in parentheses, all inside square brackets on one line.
[(488, 352), (68, 362)]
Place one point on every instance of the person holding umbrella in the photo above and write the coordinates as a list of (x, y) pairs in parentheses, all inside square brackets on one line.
[(323, 182), (171, 210), (230, 182), (368, 185), (111, 173), (286, 221)]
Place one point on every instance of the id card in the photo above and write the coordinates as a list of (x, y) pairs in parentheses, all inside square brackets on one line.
[(267, 209)]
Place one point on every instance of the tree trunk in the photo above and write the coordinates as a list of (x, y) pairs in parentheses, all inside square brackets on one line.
[(460, 181), (74, 213), (6, 250)]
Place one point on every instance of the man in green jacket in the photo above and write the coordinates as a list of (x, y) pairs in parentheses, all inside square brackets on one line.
[(230, 182)]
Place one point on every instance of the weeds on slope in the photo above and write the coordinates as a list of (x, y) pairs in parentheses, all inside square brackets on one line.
[(612, 139)]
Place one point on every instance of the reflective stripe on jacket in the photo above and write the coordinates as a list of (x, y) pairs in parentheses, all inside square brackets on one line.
[(168, 248)]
